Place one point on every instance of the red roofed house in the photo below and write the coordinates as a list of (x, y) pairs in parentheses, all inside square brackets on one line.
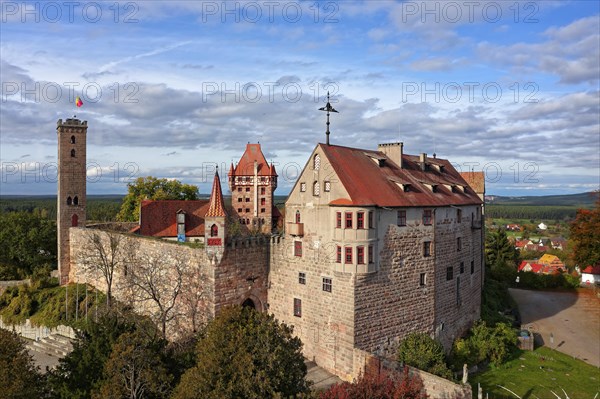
[(530, 266), (252, 182), (591, 275), (377, 238)]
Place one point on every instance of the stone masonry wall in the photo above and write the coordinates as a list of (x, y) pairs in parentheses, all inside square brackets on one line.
[(326, 326)]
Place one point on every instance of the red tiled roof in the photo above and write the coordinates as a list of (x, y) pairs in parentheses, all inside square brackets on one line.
[(216, 207), (246, 165), (159, 218), (592, 270), (368, 183), (535, 267), (476, 180)]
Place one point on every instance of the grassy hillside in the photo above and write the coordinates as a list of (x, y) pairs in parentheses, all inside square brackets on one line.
[(581, 200)]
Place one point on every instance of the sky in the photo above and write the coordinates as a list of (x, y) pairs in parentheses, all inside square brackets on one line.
[(174, 89)]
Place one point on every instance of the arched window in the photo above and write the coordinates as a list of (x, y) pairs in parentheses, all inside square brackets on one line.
[(73, 153), (297, 216), (69, 200), (214, 230), (316, 188), (72, 139), (317, 162), (74, 220), (75, 201)]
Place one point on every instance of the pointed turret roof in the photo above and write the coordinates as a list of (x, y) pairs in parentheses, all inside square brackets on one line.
[(217, 206), (252, 155)]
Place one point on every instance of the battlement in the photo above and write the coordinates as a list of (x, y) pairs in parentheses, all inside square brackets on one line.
[(71, 122)]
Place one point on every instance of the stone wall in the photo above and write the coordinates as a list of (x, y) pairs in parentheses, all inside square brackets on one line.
[(35, 333), (12, 283)]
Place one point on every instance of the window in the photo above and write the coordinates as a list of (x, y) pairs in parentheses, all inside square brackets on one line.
[(472, 267), (427, 217), (316, 188), (348, 254), (263, 191), (262, 210), (360, 255), (458, 244), (302, 278), (240, 199), (458, 301), (327, 284), (401, 218), (422, 279), (75, 200), (214, 230), (317, 162), (348, 220), (371, 225), (449, 273), (427, 248), (339, 254), (239, 189), (297, 248), (239, 210), (297, 216), (302, 187), (69, 200), (327, 185), (371, 259), (263, 201), (73, 153), (458, 215), (72, 139), (247, 189), (247, 209), (462, 267), (360, 220), (297, 307), (338, 220), (247, 199), (74, 221)]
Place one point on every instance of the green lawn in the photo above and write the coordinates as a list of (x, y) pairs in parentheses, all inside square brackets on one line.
[(535, 374)]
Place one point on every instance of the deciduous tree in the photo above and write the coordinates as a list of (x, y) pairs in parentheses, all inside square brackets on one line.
[(19, 377), (156, 189), (423, 352), (245, 354), (585, 235)]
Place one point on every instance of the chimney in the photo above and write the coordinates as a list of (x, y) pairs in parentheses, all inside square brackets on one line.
[(393, 151), (423, 161)]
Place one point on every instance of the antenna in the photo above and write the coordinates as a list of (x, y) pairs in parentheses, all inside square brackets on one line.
[(329, 109)]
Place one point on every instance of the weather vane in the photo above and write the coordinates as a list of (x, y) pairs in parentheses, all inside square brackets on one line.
[(329, 109)]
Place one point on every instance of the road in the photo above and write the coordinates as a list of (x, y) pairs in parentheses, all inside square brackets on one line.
[(568, 322)]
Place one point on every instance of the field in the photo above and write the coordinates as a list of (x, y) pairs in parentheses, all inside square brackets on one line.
[(537, 374)]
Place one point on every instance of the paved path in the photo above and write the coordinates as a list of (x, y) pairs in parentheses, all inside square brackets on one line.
[(568, 322)]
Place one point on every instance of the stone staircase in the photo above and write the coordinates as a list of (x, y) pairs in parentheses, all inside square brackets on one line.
[(48, 351)]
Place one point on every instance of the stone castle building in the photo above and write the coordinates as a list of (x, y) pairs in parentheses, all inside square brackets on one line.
[(376, 244)]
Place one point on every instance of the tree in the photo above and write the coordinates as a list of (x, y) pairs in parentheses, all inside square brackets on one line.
[(378, 385), (28, 241), (585, 235), (135, 369), (499, 251), (104, 252), (19, 377), (156, 189), (156, 280), (243, 353), (423, 352)]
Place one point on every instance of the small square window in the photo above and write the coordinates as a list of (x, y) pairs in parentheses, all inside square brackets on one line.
[(401, 218), (239, 189), (427, 248), (297, 248), (302, 187), (462, 267), (248, 199), (301, 278), (263, 201), (263, 191), (472, 267), (327, 284), (422, 279), (247, 209), (297, 307), (458, 244), (427, 217), (240, 199), (348, 254), (449, 273), (247, 189), (348, 220), (239, 210), (262, 210)]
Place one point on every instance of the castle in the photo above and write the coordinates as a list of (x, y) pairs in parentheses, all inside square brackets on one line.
[(376, 244)]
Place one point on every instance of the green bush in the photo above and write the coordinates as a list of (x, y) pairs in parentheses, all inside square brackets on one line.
[(493, 344), (423, 352)]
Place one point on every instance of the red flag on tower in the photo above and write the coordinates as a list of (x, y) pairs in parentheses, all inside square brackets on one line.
[(78, 102)]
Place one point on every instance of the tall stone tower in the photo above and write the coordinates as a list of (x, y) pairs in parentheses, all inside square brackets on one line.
[(214, 221), (71, 197), (252, 183)]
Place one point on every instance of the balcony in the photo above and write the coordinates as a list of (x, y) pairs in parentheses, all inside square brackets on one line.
[(295, 229)]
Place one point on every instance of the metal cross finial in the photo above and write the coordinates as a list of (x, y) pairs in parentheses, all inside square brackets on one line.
[(329, 109)]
